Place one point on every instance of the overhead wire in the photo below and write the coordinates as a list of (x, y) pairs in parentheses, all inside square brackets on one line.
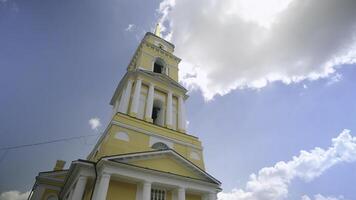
[(47, 142)]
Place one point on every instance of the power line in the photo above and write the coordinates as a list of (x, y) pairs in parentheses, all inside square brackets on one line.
[(46, 142)]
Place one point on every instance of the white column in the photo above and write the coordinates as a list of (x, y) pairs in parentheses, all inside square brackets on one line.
[(125, 98), (79, 188), (169, 110), (181, 194), (146, 191), (136, 98), (212, 196), (181, 115), (101, 187), (149, 103)]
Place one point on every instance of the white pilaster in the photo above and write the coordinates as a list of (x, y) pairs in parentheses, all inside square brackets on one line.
[(169, 110), (125, 98), (212, 196), (79, 188), (136, 98), (149, 103), (101, 187), (181, 194), (115, 108), (181, 114), (146, 191)]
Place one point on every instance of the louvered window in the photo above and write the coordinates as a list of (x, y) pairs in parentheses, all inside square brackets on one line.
[(158, 194)]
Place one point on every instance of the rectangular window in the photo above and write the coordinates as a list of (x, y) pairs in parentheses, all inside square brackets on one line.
[(158, 194)]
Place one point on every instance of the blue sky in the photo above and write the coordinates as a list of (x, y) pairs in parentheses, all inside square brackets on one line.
[(61, 61)]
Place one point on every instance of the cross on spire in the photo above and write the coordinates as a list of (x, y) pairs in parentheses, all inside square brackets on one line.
[(158, 30)]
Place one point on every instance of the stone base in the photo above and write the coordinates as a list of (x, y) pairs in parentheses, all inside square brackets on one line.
[(133, 114), (149, 119), (181, 130)]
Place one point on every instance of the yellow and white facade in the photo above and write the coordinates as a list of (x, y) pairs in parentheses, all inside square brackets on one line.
[(145, 152)]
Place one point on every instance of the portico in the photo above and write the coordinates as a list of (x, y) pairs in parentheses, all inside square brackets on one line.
[(145, 180)]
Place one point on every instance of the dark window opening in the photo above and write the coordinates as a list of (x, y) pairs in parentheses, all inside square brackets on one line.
[(158, 194), (158, 68), (155, 113)]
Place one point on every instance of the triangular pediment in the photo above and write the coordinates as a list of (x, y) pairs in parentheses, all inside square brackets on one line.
[(167, 161)]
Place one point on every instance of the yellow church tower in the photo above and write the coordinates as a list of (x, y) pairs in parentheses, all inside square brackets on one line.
[(145, 152)]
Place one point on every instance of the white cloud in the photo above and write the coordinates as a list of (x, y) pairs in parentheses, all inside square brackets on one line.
[(94, 123), (14, 195), (334, 79), (130, 27), (271, 183), (321, 197), (235, 44)]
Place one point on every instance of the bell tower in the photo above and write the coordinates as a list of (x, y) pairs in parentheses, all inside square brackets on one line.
[(150, 90), (148, 106)]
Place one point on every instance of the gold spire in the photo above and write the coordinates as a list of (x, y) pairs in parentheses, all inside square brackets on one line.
[(158, 30)]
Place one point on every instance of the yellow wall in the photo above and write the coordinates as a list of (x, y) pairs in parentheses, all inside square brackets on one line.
[(139, 142), (192, 197), (121, 191), (169, 195), (166, 164), (88, 190)]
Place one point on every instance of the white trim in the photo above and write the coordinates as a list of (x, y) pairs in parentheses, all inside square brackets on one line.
[(154, 134)]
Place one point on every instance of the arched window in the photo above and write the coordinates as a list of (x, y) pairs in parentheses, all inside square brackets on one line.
[(157, 112), (159, 146), (158, 66), (52, 197)]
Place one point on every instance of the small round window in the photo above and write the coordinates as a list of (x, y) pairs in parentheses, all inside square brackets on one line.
[(159, 146)]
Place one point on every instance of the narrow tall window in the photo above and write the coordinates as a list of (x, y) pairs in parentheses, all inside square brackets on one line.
[(155, 113), (158, 68), (158, 112), (158, 194)]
